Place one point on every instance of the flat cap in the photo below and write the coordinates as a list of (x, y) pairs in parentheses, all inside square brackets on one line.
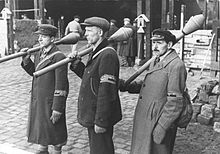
[(46, 29), (127, 19), (98, 22), (113, 21), (76, 16), (160, 34)]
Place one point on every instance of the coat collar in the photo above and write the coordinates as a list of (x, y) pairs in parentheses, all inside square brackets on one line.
[(102, 45), (44, 62), (164, 62)]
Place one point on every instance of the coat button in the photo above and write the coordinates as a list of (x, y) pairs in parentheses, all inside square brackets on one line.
[(140, 97), (144, 85)]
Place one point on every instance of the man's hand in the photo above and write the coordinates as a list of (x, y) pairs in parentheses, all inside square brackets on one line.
[(73, 54), (121, 86), (55, 116), (75, 59), (158, 134), (99, 129), (27, 56)]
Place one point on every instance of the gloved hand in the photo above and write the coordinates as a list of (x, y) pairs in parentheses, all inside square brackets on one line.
[(75, 59), (158, 134), (26, 57), (121, 85), (55, 116)]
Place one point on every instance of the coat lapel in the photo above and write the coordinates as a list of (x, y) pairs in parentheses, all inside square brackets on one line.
[(47, 60), (102, 45), (163, 63)]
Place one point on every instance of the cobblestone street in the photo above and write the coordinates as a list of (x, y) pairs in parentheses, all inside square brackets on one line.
[(15, 89)]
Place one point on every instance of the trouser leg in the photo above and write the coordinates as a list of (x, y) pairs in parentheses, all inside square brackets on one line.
[(57, 149), (42, 149), (101, 143)]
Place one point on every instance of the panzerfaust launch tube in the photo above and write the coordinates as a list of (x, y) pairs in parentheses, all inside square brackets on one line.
[(60, 63), (71, 38)]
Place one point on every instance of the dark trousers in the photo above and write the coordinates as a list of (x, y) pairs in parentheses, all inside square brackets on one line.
[(166, 147), (101, 143)]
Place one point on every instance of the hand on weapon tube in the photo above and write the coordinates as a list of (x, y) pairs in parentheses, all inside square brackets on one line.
[(26, 57), (122, 86), (75, 59)]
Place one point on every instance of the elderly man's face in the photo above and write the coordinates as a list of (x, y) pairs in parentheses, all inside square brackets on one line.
[(93, 34), (45, 40), (159, 47)]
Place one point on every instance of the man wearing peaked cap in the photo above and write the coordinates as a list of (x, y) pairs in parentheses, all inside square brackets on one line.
[(154, 129), (47, 119), (99, 106), (47, 29), (160, 34)]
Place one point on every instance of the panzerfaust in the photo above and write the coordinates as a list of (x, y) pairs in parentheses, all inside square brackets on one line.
[(120, 35), (193, 24), (71, 38)]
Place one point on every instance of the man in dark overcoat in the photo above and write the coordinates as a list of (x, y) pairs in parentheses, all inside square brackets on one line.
[(126, 48), (47, 120), (99, 106), (160, 100)]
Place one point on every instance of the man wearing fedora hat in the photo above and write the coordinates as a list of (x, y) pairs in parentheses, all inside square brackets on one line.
[(160, 98), (99, 106), (47, 120)]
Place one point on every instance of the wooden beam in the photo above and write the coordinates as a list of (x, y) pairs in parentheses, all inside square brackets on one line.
[(171, 14), (39, 13), (140, 37), (148, 4), (36, 11), (164, 11)]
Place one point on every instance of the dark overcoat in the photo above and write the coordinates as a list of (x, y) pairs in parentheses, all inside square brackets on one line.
[(49, 92), (126, 48), (98, 101), (155, 105)]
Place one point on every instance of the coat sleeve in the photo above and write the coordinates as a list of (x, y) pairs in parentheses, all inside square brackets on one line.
[(174, 104), (29, 67), (61, 86), (108, 90), (77, 68)]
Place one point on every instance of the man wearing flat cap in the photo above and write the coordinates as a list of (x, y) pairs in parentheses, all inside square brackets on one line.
[(47, 120), (160, 98), (99, 106)]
